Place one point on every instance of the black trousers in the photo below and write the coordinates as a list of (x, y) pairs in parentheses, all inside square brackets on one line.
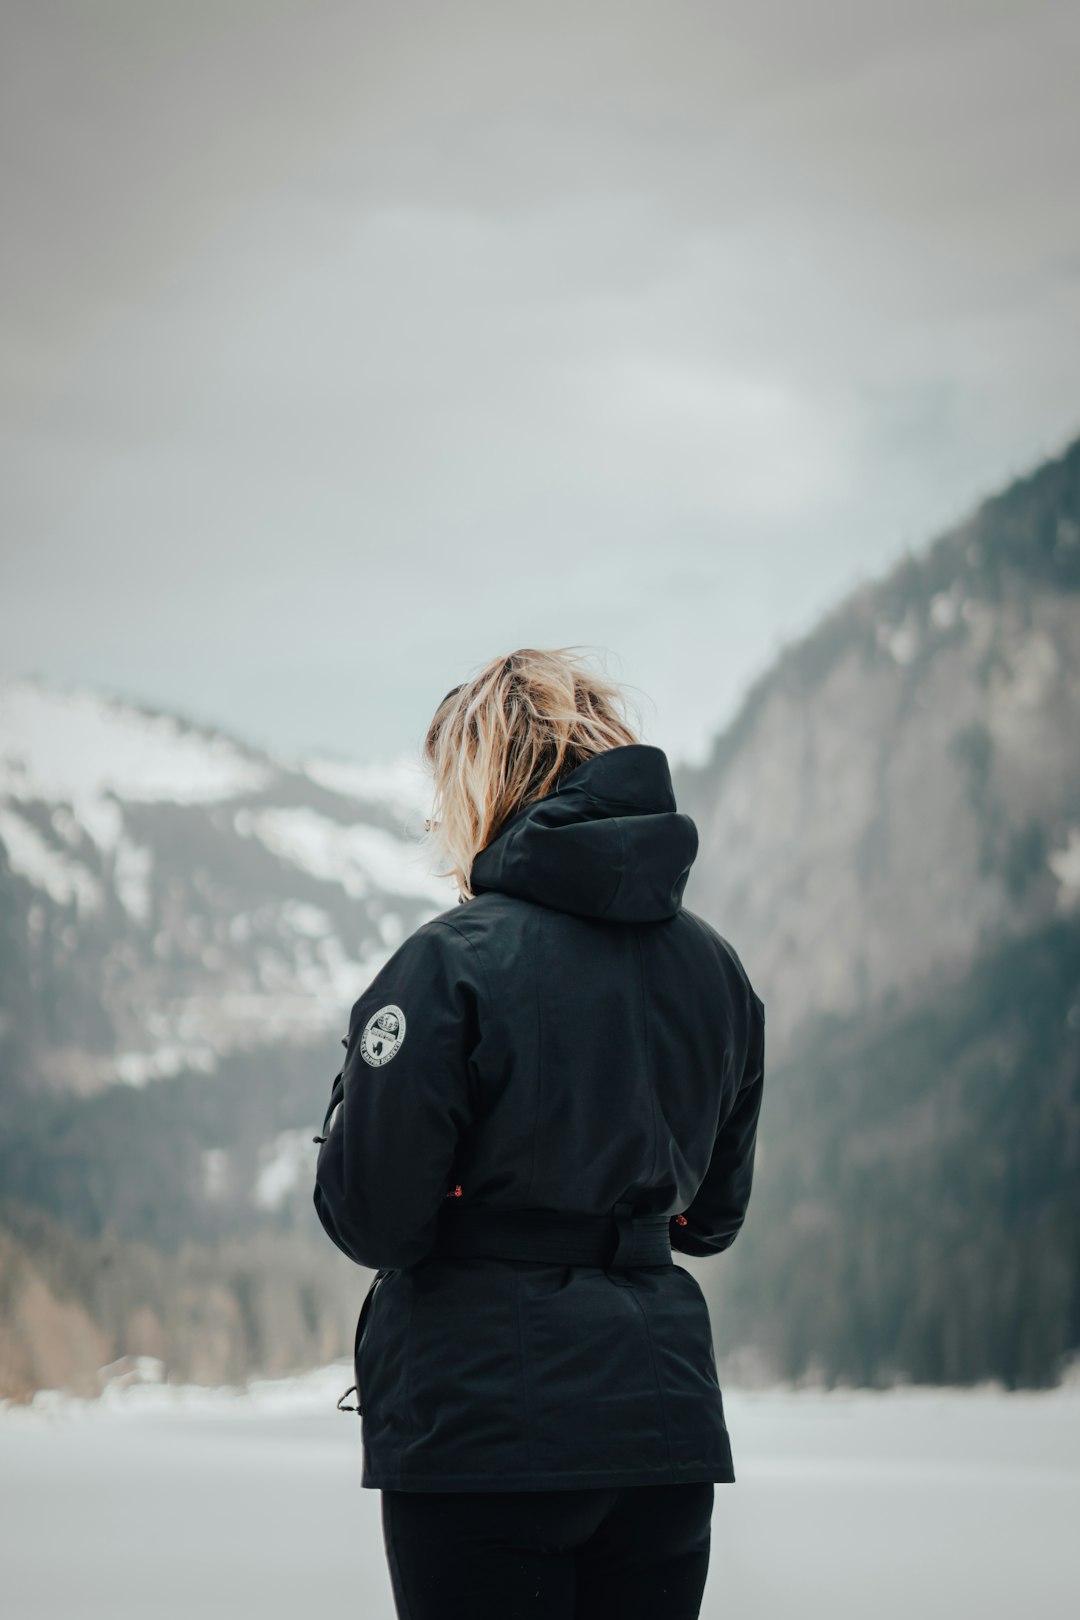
[(640, 1553)]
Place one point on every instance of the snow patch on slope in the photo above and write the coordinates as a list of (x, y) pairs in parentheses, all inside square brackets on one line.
[(287, 1160), (78, 747), (362, 859), (62, 878), (132, 865), (401, 784), (1065, 865)]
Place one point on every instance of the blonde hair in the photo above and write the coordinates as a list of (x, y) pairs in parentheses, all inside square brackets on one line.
[(504, 738)]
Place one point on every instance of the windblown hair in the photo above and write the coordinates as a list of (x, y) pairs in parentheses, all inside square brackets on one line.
[(504, 738)]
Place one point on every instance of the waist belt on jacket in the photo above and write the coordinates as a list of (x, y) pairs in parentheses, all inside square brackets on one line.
[(479, 1232), (609, 1241)]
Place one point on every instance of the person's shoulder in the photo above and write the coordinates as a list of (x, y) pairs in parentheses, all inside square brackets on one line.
[(429, 938), (718, 942), (473, 934), (447, 930), (724, 951), (436, 952), (464, 927), (473, 918)]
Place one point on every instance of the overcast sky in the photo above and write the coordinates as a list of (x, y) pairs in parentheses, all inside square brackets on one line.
[(347, 345)]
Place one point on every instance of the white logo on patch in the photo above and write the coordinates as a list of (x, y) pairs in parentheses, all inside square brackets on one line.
[(383, 1035)]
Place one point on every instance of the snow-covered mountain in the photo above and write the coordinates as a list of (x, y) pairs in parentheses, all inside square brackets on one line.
[(170, 895)]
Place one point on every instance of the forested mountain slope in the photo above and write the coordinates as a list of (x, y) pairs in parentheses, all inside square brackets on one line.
[(890, 834)]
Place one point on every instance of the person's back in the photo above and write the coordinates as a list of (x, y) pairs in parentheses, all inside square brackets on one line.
[(546, 1090)]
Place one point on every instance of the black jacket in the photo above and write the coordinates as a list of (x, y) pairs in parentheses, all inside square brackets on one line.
[(568, 1039)]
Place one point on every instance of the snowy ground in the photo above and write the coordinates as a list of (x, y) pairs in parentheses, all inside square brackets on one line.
[(165, 1505)]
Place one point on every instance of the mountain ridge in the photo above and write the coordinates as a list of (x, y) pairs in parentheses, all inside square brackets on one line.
[(897, 792), (180, 893)]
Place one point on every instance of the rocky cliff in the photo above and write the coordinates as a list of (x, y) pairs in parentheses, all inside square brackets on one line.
[(902, 789)]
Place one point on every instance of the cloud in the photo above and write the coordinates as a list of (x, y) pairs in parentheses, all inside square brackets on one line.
[(344, 344)]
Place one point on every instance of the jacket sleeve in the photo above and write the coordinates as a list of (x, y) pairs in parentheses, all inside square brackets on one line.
[(718, 1209), (404, 1100)]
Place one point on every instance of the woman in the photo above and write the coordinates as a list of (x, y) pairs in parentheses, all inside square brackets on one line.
[(546, 1089)]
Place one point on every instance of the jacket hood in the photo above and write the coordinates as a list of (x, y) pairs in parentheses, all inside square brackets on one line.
[(608, 842)]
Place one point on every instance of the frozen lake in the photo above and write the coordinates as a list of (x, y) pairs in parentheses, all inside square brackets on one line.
[(162, 1505)]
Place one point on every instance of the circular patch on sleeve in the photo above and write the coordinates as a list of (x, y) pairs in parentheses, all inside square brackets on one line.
[(382, 1036)]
